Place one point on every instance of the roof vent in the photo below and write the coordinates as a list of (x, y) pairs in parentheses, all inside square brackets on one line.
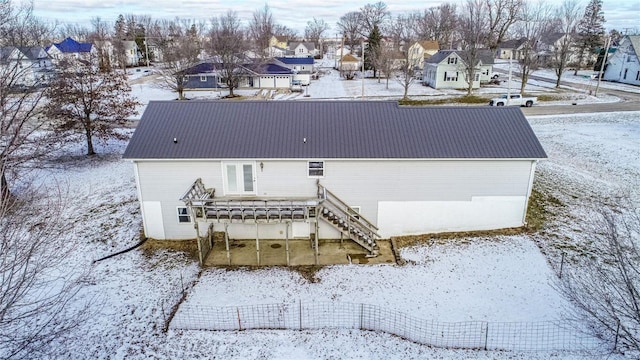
[(175, 140), (304, 140)]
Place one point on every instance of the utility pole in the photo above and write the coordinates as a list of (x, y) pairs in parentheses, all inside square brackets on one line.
[(604, 60), (362, 46)]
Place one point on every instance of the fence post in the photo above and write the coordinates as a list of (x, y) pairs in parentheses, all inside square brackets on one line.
[(561, 264), (300, 313), (361, 315), (486, 335), (239, 322)]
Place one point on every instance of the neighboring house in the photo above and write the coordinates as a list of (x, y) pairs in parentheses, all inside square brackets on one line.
[(206, 75), (511, 49), (268, 76), (349, 63), (71, 48), (31, 65), (105, 51), (330, 169), (131, 53), (302, 68), (342, 51), (422, 50), (203, 76), (552, 43), (624, 64), (278, 41), (275, 51), (447, 70), (303, 49)]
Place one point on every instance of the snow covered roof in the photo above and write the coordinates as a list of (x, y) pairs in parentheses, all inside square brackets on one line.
[(329, 129)]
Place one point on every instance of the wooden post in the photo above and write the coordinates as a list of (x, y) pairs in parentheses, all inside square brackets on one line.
[(257, 244), (198, 242), (286, 241), (226, 243), (315, 238)]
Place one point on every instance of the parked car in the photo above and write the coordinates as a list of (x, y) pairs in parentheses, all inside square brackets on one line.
[(296, 85), (513, 100)]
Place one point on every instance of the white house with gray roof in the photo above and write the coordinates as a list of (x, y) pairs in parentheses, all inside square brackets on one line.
[(624, 65), (447, 69), (362, 169)]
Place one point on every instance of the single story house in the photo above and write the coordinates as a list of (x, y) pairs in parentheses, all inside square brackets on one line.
[(327, 169), (349, 63), (206, 75), (447, 69), (302, 68), (624, 64)]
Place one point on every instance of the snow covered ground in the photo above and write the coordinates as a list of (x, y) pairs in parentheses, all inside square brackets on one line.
[(506, 279)]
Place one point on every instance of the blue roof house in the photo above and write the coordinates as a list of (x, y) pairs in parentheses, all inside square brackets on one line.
[(71, 48)]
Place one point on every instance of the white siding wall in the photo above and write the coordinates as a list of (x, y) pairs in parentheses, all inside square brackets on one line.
[(462, 194)]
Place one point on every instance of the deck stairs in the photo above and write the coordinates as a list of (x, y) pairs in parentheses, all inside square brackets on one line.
[(205, 206), (347, 220)]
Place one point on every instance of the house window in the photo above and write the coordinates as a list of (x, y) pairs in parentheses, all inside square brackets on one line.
[(316, 168), (452, 60), (355, 211), (239, 178), (625, 74), (450, 76), (477, 76), (203, 78), (638, 76), (184, 215)]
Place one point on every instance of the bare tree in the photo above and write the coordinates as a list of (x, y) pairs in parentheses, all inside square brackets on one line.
[(502, 14), (23, 135), (314, 30), (567, 18), (473, 30), (83, 99), (350, 25), (227, 47), (179, 43), (403, 65), (605, 287), (261, 28), (535, 20), (287, 32), (437, 23), (20, 27), (373, 15), (36, 285)]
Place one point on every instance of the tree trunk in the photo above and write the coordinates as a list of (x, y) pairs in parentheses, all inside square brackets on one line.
[(90, 150), (4, 188)]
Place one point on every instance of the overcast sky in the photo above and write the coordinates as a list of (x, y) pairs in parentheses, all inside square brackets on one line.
[(620, 14)]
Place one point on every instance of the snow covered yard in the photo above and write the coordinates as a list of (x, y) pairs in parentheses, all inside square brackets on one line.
[(591, 157)]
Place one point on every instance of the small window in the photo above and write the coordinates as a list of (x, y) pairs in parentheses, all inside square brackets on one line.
[(203, 78), (184, 215), (355, 211), (316, 168)]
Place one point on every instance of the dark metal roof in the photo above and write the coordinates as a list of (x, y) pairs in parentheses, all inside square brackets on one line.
[(296, 60), (330, 129)]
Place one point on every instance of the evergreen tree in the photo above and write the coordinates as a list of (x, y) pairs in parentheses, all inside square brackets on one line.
[(372, 51), (590, 31)]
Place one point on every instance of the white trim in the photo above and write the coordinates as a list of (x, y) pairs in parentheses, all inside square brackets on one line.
[(178, 215), (140, 199), (309, 169), (239, 176), (529, 189)]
